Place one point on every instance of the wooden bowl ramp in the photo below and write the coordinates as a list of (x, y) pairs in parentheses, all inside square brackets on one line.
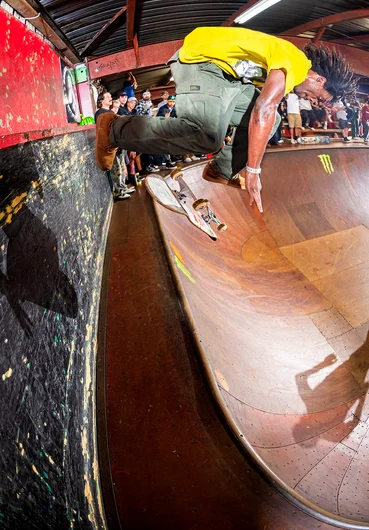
[(279, 307)]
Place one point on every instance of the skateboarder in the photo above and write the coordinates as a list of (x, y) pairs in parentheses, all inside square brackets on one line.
[(215, 72)]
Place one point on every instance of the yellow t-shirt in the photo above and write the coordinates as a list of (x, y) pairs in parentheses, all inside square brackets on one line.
[(246, 53)]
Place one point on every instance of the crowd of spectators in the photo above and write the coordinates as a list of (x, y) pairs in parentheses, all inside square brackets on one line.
[(347, 119), (129, 167), (297, 115)]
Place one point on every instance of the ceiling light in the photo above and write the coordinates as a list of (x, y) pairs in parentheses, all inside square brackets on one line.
[(255, 10)]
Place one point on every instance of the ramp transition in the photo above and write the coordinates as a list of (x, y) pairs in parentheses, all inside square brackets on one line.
[(279, 307)]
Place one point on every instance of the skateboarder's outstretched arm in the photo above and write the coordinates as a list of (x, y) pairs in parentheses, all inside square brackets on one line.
[(260, 126)]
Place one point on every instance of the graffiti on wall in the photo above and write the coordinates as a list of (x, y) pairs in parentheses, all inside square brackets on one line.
[(70, 97)]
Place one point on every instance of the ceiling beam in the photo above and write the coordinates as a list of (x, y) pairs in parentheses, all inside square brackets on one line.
[(104, 33), (137, 50), (131, 21), (239, 12), (154, 54), (345, 16), (319, 34), (360, 39)]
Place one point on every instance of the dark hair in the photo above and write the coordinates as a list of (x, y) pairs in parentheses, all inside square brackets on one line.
[(100, 97), (331, 65)]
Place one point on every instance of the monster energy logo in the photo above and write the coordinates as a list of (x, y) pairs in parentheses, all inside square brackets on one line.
[(327, 163)]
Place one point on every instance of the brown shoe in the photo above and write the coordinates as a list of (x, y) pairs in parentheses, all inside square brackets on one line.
[(210, 174), (104, 152)]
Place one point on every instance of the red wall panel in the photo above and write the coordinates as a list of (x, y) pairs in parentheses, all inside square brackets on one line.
[(30, 80)]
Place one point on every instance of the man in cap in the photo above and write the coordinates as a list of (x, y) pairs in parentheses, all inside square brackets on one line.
[(130, 108), (168, 110), (123, 97), (145, 105), (216, 72)]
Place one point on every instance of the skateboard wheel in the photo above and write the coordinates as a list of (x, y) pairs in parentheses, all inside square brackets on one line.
[(199, 203), (176, 174), (222, 227)]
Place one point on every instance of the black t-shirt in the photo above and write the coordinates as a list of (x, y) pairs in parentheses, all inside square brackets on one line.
[(164, 109), (122, 110), (125, 112), (101, 111)]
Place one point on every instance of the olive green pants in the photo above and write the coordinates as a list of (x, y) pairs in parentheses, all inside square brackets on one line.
[(208, 101)]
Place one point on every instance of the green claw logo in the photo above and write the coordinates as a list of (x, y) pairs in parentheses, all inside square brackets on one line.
[(327, 163)]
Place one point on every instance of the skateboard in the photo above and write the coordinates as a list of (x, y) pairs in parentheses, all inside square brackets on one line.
[(314, 140), (174, 194)]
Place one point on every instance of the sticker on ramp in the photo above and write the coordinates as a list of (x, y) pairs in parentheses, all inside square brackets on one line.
[(327, 163)]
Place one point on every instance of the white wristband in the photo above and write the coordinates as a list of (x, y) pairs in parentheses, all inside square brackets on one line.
[(253, 170)]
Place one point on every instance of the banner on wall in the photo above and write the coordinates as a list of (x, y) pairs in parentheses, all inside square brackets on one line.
[(70, 97)]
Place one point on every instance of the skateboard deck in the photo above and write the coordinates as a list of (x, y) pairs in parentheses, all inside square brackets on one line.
[(314, 140), (175, 195)]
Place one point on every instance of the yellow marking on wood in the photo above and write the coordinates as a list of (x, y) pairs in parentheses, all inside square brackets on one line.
[(184, 269)]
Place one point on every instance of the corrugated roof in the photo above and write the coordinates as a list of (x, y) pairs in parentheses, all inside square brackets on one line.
[(163, 20)]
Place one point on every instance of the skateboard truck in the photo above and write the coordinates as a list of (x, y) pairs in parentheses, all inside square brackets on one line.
[(203, 207), (199, 205)]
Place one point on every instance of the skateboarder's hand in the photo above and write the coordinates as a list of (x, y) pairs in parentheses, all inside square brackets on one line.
[(253, 185)]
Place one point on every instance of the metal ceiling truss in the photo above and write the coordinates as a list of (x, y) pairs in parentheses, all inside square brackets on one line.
[(104, 33)]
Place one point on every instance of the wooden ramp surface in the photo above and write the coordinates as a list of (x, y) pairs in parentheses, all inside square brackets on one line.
[(280, 309)]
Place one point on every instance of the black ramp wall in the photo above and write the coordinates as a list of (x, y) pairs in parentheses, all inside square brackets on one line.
[(54, 215)]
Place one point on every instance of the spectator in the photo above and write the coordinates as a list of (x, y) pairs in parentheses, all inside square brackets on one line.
[(123, 98), (135, 159), (119, 175), (130, 86), (145, 105), (294, 116), (145, 108), (130, 108), (282, 111), (115, 106), (164, 96), (104, 101), (307, 113), (342, 119), (168, 111), (355, 118), (321, 115), (277, 136), (365, 121)]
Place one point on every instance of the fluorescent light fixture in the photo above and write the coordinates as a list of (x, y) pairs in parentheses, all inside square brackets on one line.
[(257, 8)]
